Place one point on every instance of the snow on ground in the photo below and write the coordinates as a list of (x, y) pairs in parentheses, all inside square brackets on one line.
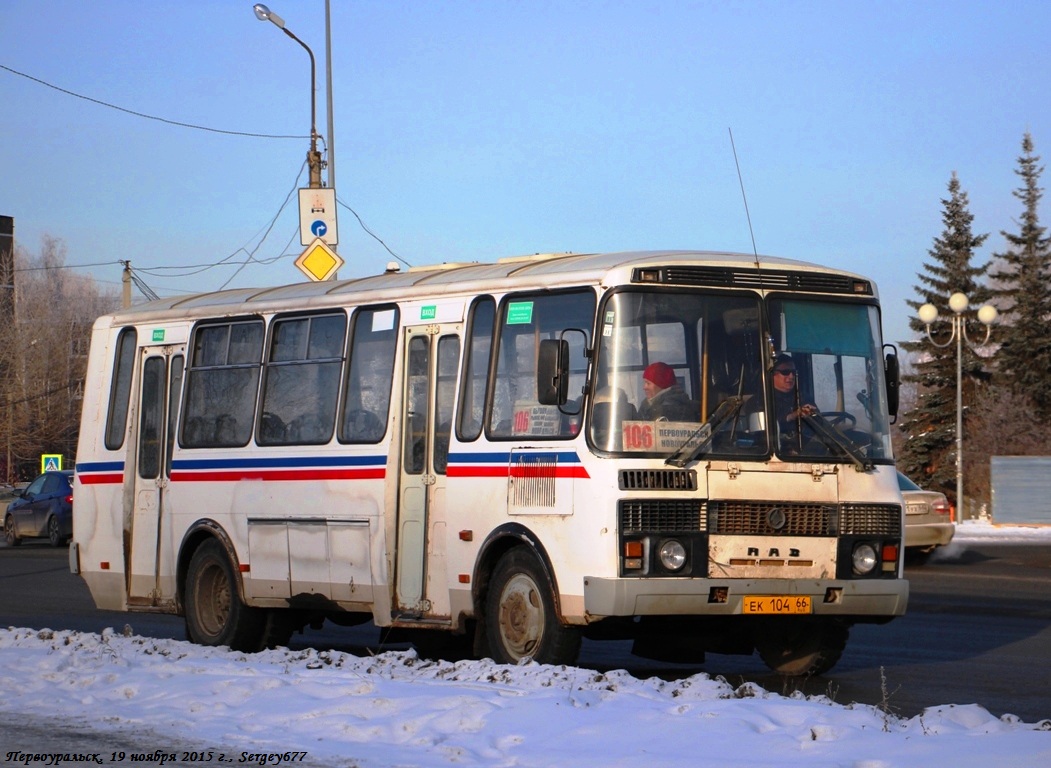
[(397, 710), (972, 531), (330, 708), (985, 530)]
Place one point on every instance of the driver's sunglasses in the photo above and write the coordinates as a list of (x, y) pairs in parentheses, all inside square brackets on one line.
[(785, 371)]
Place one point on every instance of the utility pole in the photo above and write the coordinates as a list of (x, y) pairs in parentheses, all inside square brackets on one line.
[(10, 410), (7, 318), (7, 271), (125, 288)]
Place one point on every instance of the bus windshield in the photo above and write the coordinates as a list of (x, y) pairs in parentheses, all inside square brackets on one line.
[(687, 374)]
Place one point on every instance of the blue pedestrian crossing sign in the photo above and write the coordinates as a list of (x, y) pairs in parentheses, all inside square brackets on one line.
[(51, 462)]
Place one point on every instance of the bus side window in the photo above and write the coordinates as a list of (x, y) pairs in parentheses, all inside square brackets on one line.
[(526, 320), (222, 381), (301, 382), (370, 375), (120, 389), (448, 360), (476, 368)]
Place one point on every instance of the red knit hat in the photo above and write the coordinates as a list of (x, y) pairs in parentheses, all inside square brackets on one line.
[(660, 374)]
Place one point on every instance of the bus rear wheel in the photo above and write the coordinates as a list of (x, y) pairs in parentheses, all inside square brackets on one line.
[(520, 618), (802, 648), (215, 614)]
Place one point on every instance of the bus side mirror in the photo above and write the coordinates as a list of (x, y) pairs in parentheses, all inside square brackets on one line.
[(552, 372), (891, 371)]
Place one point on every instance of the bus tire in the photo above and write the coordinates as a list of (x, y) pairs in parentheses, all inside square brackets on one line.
[(215, 614), (520, 617), (802, 648)]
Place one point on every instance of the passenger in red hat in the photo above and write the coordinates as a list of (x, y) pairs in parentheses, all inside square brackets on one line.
[(665, 399)]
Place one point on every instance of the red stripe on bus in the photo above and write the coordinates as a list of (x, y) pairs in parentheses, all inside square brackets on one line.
[(100, 479), (518, 471), (460, 471), (377, 473)]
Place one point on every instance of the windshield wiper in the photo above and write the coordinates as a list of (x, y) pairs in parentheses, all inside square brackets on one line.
[(848, 446), (699, 440)]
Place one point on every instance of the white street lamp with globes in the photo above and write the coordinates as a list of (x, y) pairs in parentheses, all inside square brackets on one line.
[(928, 314)]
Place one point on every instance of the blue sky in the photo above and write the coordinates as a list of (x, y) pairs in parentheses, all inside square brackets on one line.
[(474, 130)]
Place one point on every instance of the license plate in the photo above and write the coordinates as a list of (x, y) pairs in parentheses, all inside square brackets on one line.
[(777, 604)]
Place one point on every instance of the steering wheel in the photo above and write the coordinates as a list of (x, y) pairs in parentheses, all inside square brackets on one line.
[(835, 418)]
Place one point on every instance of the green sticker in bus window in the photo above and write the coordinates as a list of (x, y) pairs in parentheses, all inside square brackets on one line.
[(519, 312), (429, 312), (158, 334)]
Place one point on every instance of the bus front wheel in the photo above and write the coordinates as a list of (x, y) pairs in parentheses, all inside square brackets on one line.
[(215, 614), (521, 620)]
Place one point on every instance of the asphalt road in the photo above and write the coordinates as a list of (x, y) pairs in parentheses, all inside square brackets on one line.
[(978, 630)]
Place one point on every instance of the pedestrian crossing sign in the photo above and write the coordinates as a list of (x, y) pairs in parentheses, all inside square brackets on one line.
[(51, 462)]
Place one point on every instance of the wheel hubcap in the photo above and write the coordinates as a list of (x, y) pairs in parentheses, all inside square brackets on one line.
[(213, 606), (521, 616)]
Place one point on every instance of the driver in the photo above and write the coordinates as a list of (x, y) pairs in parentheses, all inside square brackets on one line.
[(787, 404)]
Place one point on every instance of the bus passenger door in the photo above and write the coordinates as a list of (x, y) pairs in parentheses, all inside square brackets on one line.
[(432, 355), (160, 385)]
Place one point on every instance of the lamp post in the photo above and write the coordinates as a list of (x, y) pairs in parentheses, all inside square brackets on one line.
[(313, 156), (928, 313)]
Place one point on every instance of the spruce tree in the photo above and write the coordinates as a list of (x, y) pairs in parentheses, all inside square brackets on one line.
[(1023, 288), (929, 453)]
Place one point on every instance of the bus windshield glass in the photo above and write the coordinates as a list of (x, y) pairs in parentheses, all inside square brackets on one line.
[(685, 374)]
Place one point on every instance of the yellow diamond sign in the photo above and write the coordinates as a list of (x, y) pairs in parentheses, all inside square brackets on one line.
[(318, 261)]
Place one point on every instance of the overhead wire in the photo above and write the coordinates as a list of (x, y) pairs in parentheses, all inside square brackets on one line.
[(196, 269), (67, 266), (365, 227), (147, 116), (250, 254), (144, 289)]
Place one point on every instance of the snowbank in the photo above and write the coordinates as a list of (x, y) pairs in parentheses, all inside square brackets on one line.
[(395, 709)]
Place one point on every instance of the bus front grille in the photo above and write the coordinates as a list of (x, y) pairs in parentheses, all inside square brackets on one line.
[(870, 520), (766, 518), (657, 480), (664, 515)]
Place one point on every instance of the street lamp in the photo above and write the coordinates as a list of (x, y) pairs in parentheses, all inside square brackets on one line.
[(313, 156), (928, 313)]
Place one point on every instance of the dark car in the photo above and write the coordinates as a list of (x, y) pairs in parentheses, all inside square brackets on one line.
[(43, 510)]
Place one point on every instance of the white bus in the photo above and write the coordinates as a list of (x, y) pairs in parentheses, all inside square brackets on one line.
[(465, 453)]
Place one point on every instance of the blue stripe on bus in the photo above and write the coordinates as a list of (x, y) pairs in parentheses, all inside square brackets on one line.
[(100, 466), (280, 462)]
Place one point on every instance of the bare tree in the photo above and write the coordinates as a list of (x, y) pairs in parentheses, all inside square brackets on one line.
[(43, 354)]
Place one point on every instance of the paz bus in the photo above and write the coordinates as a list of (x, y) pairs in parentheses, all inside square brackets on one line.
[(462, 453)]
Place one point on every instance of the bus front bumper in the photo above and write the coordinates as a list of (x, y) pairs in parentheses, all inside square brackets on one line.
[(865, 598)]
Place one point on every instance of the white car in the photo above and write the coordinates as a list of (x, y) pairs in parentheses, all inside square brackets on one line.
[(928, 522)]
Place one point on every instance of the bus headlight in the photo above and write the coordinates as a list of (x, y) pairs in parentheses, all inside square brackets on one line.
[(672, 555), (864, 559)]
